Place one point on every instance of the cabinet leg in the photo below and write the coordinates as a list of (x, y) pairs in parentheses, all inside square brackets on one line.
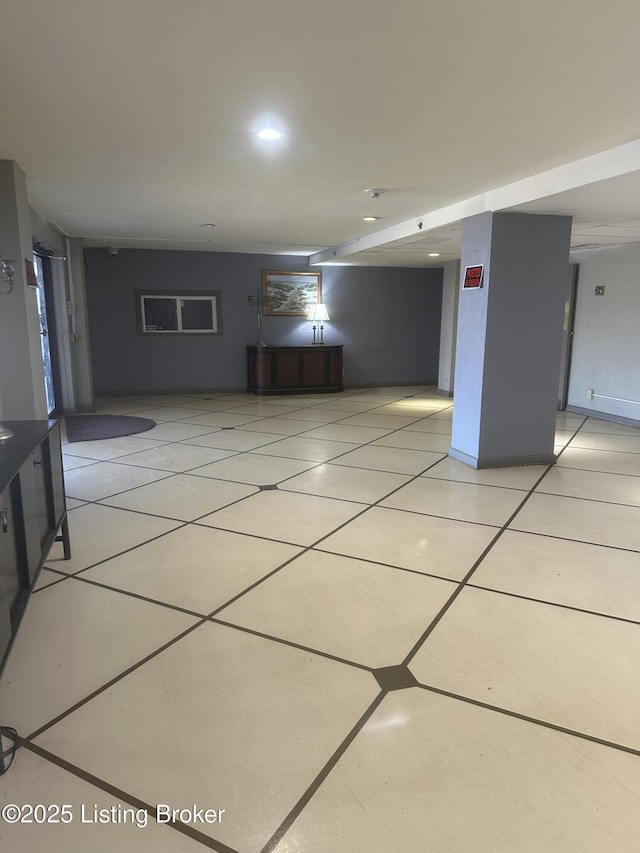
[(66, 542)]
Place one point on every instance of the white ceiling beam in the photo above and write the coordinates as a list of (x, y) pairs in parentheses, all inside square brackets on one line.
[(621, 160)]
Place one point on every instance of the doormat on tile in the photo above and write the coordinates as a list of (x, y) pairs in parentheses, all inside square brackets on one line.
[(94, 427)]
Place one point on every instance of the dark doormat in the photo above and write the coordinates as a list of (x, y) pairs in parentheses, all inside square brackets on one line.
[(94, 427)]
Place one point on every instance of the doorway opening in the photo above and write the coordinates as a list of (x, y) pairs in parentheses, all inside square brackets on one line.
[(567, 336), (48, 342)]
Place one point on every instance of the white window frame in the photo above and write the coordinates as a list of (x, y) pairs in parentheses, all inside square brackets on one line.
[(180, 299)]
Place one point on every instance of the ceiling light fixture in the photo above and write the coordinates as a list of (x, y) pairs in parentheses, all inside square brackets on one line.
[(434, 254), (269, 133), (369, 218)]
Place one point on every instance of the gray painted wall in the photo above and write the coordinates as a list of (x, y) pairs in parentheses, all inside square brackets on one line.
[(22, 394), (387, 319), (606, 348), (448, 327)]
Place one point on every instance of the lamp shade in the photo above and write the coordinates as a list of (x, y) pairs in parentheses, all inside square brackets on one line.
[(317, 311)]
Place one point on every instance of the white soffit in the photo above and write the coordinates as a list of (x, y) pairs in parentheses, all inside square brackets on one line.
[(609, 178)]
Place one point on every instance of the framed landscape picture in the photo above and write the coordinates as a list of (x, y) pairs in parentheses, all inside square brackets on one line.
[(290, 293)]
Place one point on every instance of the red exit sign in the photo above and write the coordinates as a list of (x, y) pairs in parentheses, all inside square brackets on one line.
[(472, 277)]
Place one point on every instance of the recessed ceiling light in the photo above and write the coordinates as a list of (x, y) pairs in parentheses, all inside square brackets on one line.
[(369, 218), (269, 133), (434, 254)]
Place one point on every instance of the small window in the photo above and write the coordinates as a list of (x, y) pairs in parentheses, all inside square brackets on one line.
[(185, 314)]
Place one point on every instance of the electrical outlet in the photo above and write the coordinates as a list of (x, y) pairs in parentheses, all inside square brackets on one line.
[(590, 394)]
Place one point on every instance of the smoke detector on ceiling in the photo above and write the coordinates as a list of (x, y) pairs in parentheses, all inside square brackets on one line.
[(375, 192)]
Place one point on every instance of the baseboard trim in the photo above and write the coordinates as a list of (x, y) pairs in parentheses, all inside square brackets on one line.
[(604, 416), (501, 461)]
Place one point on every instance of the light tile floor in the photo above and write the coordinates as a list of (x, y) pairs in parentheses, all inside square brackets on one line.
[(300, 614)]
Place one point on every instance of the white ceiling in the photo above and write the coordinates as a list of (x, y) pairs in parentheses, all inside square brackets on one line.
[(135, 120)]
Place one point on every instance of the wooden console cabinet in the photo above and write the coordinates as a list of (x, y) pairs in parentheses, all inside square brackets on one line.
[(32, 513), (294, 370)]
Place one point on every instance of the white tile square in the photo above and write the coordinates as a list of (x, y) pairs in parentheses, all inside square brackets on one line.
[(254, 469), (175, 457), (354, 434), (281, 426), (352, 484), (285, 516), (599, 460), (592, 485), (431, 424), (311, 449), (583, 520), (607, 441), (394, 459), (34, 780), (176, 431), (195, 567), (409, 540), (264, 409), (169, 413), (183, 497), (234, 439), (70, 463), (357, 611), (561, 666), (431, 773), (74, 638), (225, 749), (110, 448), (317, 414), (598, 425), (518, 477), (376, 419), (416, 441), (107, 478), (463, 501), (590, 577), (98, 532), (220, 419)]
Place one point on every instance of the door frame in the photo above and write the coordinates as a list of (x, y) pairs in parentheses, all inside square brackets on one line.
[(567, 336)]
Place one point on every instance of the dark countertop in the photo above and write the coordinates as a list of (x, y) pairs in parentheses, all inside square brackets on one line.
[(301, 347), (27, 436)]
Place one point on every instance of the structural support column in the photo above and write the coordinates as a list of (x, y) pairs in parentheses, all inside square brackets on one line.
[(509, 339)]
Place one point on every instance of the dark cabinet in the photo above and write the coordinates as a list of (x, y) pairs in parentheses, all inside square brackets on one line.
[(32, 514), (294, 370)]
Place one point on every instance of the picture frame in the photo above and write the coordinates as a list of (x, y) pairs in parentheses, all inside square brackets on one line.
[(289, 294)]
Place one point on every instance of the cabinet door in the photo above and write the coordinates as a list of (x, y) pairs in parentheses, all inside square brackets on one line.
[(314, 371), (52, 460), (259, 364), (34, 508), (288, 370), (9, 580), (335, 367)]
